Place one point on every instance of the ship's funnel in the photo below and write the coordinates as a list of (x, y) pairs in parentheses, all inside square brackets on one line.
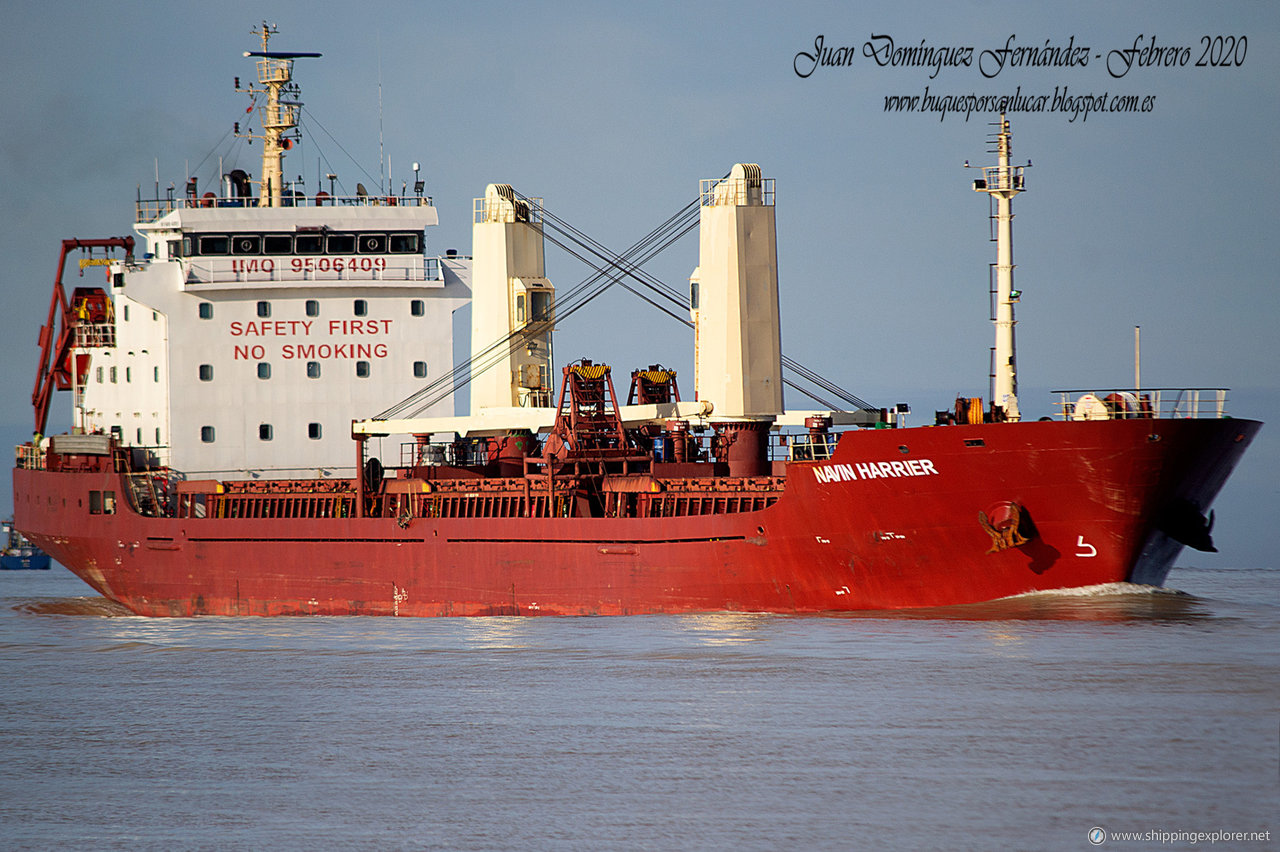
[(734, 298), (512, 304)]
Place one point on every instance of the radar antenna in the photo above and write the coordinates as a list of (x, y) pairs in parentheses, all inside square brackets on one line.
[(275, 78)]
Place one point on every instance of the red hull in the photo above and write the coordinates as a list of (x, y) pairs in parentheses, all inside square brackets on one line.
[(1099, 496)]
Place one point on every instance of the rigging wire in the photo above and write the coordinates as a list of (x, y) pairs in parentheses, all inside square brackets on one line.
[(308, 114), (611, 269), (676, 297), (566, 305)]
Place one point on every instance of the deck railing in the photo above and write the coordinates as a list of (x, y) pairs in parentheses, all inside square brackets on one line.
[(150, 209), (1145, 403)]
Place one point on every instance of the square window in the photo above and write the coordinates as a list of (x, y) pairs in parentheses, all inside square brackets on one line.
[(340, 244), (313, 431), (313, 369), (362, 369), (264, 370), (206, 372), (417, 308), (405, 243), (206, 434), (215, 245), (313, 308), (206, 310), (419, 369), (360, 308), (264, 432), (264, 309), (277, 244)]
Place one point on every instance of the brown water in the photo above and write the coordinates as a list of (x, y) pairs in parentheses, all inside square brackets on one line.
[(1016, 725)]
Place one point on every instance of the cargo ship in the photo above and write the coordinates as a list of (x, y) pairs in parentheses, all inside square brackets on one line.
[(213, 465)]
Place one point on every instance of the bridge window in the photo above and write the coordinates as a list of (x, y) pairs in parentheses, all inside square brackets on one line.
[(405, 243), (215, 244), (308, 244), (277, 244), (246, 244), (417, 307), (313, 308), (206, 310), (340, 244), (362, 369), (206, 372), (373, 243)]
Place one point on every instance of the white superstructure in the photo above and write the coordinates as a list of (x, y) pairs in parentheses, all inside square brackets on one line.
[(252, 327)]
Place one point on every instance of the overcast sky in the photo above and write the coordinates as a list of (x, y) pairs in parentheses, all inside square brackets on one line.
[(1164, 218)]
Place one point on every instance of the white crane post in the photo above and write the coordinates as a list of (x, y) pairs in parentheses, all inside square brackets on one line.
[(512, 304)]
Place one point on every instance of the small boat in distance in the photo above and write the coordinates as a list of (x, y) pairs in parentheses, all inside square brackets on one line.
[(20, 554)]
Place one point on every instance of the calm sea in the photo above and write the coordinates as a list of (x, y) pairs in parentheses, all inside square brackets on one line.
[(1016, 725)]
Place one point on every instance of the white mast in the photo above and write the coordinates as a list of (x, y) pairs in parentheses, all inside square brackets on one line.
[(1002, 182)]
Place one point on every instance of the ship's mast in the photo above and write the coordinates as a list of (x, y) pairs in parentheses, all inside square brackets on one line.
[(278, 117), (1002, 182)]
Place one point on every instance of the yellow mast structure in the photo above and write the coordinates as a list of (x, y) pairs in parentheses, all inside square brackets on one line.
[(278, 116)]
